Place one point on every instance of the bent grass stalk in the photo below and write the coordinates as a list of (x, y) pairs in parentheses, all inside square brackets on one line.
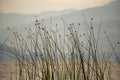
[(47, 55)]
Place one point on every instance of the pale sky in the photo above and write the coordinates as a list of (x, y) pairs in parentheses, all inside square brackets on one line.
[(37, 6)]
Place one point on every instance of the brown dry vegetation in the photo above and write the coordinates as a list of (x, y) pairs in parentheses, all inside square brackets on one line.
[(8, 71), (47, 55)]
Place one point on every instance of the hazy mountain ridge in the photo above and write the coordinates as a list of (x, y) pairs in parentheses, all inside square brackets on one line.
[(109, 11), (14, 19), (109, 14)]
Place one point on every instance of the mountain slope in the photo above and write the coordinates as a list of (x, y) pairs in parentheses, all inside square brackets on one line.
[(109, 14)]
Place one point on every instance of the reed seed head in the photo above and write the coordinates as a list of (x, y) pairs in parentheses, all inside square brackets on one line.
[(91, 18), (91, 27), (118, 42)]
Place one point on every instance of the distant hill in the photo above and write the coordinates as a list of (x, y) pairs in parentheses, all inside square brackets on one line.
[(109, 14), (14, 19)]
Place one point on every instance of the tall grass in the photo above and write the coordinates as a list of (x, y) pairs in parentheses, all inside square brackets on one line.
[(46, 55)]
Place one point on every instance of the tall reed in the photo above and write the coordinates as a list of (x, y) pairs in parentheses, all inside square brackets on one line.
[(47, 55)]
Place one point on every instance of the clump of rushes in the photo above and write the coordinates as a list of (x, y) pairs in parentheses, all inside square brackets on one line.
[(46, 55)]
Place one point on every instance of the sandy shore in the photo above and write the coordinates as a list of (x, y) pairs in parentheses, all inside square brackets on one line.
[(8, 68)]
